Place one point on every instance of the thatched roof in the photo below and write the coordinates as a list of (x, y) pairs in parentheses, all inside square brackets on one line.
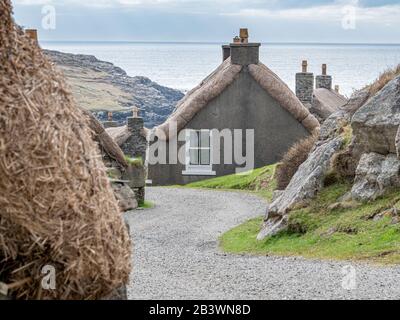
[(121, 134), (57, 205), (326, 102), (211, 87)]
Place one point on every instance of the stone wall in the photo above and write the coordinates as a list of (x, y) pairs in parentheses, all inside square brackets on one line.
[(305, 87), (324, 81)]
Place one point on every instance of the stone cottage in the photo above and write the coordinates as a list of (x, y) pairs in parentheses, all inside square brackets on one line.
[(321, 100), (241, 94)]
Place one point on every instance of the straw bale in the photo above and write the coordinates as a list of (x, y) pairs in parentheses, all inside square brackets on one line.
[(56, 204)]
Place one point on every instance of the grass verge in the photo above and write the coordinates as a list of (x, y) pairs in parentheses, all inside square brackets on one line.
[(322, 231), (260, 181)]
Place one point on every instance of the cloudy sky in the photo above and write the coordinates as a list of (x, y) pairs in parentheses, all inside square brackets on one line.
[(332, 21)]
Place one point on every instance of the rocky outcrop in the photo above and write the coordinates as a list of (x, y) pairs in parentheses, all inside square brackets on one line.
[(125, 196), (376, 123), (100, 87), (375, 174), (304, 185), (398, 143)]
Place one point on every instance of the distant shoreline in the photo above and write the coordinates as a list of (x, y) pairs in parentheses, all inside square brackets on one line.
[(220, 43)]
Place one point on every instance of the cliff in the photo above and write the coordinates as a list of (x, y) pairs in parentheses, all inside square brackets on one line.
[(100, 86)]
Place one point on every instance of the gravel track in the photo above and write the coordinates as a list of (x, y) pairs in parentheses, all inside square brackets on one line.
[(176, 256)]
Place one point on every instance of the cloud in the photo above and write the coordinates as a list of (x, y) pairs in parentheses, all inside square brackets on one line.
[(334, 12)]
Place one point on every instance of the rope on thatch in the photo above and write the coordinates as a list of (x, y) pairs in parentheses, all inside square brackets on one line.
[(56, 204), (278, 90), (199, 97), (107, 143)]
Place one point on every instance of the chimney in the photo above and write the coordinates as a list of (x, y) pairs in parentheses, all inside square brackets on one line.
[(305, 85), (32, 33), (138, 144), (110, 123), (324, 81), (243, 52), (226, 52)]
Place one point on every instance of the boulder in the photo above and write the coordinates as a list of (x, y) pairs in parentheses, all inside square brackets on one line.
[(335, 122), (125, 196), (375, 174), (304, 185), (398, 143), (376, 123)]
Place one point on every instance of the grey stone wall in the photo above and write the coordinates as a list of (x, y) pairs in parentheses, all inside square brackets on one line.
[(245, 54), (323, 81), (305, 87), (136, 144)]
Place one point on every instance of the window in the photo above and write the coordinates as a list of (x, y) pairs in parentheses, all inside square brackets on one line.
[(198, 153)]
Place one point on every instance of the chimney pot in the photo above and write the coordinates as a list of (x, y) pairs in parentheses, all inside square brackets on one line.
[(110, 116), (324, 69), (32, 34), (135, 112), (304, 66), (337, 88), (244, 35)]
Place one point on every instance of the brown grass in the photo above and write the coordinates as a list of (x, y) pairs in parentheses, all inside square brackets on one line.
[(291, 161), (383, 79)]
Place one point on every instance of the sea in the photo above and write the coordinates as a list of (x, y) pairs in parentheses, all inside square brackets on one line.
[(182, 66)]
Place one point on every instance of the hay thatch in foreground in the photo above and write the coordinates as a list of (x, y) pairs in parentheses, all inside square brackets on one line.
[(56, 205)]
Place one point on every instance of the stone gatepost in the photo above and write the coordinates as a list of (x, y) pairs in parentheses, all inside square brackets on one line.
[(323, 80), (305, 85)]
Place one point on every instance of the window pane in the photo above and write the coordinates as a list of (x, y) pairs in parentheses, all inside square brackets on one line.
[(205, 156), (205, 139), (194, 139), (194, 156)]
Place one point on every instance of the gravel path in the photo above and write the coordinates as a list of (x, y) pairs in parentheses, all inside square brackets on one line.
[(176, 256)]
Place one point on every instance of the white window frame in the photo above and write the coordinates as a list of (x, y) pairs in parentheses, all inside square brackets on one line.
[(197, 170)]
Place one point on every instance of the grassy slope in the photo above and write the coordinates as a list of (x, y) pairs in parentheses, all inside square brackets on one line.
[(318, 232), (259, 181), (315, 231)]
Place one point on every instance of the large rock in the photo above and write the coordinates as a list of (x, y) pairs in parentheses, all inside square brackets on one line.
[(376, 123), (375, 174), (335, 122), (398, 143), (125, 196), (304, 185)]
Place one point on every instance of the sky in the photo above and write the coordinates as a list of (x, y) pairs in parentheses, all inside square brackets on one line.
[(318, 21)]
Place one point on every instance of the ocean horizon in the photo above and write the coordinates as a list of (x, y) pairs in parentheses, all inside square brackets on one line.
[(183, 65)]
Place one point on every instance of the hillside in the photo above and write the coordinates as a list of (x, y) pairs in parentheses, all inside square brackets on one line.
[(100, 87)]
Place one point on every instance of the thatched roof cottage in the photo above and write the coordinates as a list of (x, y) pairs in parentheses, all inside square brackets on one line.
[(241, 94)]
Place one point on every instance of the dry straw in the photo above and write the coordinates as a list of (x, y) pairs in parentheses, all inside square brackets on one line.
[(56, 205)]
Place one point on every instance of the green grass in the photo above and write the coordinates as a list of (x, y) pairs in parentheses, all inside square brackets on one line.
[(134, 161), (146, 205), (318, 232), (259, 180)]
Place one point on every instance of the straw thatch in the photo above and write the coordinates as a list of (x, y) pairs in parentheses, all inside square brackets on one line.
[(211, 87), (282, 93), (326, 102), (107, 144), (121, 134), (56, 205), (199, 97)]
